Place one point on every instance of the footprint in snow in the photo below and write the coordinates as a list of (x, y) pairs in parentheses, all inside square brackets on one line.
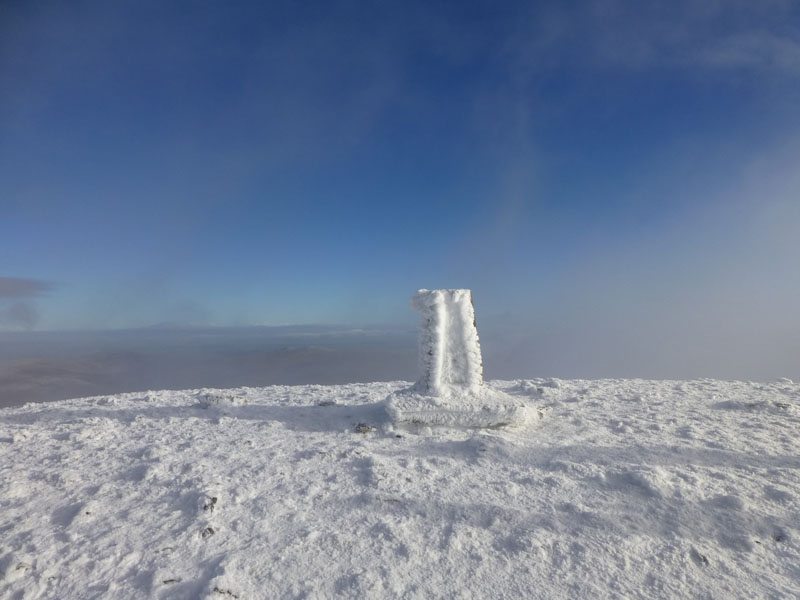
[(699, 558), (728, 502), (778, 495)]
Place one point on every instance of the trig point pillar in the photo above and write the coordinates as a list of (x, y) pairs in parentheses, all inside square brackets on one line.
[(449, 353), (450, 388)]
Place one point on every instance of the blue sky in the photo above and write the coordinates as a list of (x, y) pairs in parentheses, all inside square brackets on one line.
[(595, 169)]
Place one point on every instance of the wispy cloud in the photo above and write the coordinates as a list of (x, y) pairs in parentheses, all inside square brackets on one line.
[(687, 34), (17, 307), (760, 50), (16, 287)]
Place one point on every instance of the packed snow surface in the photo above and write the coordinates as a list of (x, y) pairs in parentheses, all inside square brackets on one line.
[(633, 489)]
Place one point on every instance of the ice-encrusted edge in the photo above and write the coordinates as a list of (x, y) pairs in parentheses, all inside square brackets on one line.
[(482, 408)]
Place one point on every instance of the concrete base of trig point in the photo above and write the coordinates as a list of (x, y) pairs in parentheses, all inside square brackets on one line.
[(485, 408), (450, 390)]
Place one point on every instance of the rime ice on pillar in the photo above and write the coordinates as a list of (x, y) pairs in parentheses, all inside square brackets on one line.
[(449, 352), (450, 390)]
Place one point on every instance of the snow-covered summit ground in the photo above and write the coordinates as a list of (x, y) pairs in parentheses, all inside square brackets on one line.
[(626, 488)]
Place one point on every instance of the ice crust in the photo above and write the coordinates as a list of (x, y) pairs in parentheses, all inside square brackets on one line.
[(450, 388)]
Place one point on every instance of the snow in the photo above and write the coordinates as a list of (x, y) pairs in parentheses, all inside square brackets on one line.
[(628, 488)]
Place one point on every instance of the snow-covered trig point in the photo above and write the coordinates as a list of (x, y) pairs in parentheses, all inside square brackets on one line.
[(449, 352), (450, 390)]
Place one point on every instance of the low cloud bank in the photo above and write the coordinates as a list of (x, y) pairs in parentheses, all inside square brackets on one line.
[(45, 366)]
